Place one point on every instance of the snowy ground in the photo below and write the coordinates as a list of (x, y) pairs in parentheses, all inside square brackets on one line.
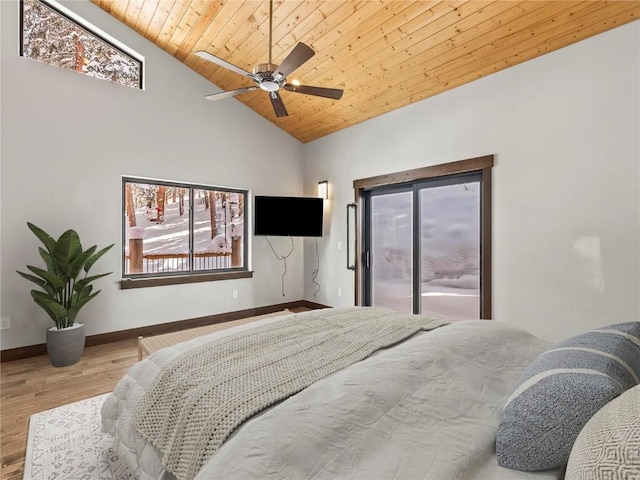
[(448, 303), (172, 235)]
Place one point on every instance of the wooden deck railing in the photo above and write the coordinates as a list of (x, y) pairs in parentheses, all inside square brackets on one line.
[(179, 262)]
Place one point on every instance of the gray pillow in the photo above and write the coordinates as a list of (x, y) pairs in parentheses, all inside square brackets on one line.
[(561, 390)]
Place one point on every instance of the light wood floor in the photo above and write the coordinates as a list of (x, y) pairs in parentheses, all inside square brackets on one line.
[(33, 385)]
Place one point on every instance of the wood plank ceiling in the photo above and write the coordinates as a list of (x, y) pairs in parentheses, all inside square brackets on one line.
[(385, 54)]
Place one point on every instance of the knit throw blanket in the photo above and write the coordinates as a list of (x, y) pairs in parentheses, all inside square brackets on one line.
[(199, 398)]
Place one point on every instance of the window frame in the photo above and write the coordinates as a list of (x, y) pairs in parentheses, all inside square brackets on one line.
[(191, 276), (90, 29)]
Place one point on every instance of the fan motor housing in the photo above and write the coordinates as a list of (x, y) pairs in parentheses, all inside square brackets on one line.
[(263, 76)]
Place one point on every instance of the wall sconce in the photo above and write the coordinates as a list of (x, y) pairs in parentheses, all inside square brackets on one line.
[(323, 189)]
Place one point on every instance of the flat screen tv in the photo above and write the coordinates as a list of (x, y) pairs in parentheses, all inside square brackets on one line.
[(288, 216)]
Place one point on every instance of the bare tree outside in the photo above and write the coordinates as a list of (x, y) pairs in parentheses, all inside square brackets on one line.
[(131, 212), (50, 37)]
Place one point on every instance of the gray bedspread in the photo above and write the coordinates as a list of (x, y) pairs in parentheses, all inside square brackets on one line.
[(427, 408), (199, 398)]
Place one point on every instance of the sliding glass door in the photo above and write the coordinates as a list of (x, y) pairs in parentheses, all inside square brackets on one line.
[(449, 223), (390, 257), (422, 247)]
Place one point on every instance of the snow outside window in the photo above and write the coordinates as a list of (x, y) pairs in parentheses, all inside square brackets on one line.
[(174, 229), (53, 37)]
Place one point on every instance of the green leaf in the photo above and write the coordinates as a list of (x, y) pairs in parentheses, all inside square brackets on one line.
[(95, 257), (37, 280), (56, 311), (41, 283), (54, 280), (48, 260), (74, 309), (86, 291), (80, 284), (43, 236), (78, 263), (67, 248), (49, 312)]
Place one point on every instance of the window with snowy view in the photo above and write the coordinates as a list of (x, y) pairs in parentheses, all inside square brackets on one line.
[(50, 36), (175, 228)]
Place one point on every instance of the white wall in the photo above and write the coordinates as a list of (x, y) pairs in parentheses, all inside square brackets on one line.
[(564, 129), (66, 141), (566, 208)]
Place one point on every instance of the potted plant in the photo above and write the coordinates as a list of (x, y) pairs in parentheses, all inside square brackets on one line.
[(63, 293)]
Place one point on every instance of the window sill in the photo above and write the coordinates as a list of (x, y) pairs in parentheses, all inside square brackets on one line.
[(127, 283)]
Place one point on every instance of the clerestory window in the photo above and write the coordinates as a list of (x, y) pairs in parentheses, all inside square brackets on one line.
[(51, 34)]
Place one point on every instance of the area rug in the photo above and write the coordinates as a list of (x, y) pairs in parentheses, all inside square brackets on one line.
[(67, 443)]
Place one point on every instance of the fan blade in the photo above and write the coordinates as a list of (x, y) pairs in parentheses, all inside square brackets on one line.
[(223, 63), (278, 106), (334, 93), (230, 93), (300, 54)]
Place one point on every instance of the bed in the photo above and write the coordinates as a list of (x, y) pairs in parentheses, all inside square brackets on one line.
[(427, 407)]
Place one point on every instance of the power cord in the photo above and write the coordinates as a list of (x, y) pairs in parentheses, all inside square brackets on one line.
[(283, 258), (315, 272)]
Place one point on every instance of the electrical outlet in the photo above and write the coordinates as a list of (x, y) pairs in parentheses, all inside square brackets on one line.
[(339, 292), (234, 294), (5, 323)]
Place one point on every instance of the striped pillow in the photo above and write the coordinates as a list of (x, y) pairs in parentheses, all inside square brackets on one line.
[(561, 390)]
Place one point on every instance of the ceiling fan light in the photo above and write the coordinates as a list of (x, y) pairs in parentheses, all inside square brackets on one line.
[(269, 85)]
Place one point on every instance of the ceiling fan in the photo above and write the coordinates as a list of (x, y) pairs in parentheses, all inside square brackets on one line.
[(270, 77)]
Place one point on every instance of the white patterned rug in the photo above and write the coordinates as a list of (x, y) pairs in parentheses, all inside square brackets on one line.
[(67, 443)]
